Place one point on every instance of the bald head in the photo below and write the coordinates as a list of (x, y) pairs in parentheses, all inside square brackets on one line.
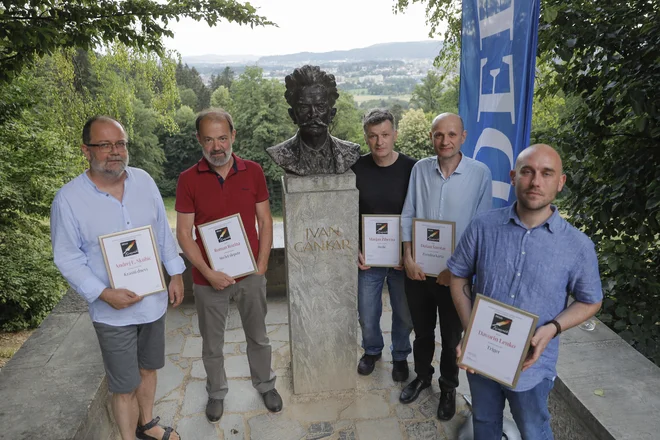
[(447, 116), (537, 178), (540, 151)]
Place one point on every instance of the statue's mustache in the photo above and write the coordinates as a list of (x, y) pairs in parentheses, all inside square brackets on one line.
[(317, 122)]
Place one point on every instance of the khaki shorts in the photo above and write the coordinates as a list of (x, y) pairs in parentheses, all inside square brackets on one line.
[(129, 348)]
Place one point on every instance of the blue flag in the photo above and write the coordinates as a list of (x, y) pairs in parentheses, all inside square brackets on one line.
[(498, 61)]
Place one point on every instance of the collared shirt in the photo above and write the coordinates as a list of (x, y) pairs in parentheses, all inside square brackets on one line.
[(318, 159), (203, 192), (456, 198), (531, 269), (81, 213)]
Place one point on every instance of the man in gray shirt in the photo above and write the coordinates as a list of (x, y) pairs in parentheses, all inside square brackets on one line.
[(449, 187)]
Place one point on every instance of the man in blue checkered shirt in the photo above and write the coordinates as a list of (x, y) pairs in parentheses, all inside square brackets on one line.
[(528, 257)]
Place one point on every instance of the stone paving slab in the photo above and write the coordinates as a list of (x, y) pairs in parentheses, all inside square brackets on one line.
[(371, 411)]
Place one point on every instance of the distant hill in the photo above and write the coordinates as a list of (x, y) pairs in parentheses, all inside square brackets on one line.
[(218, 59), (383, 51)]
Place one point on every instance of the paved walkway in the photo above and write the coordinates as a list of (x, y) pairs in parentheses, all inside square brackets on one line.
[(371, 412)]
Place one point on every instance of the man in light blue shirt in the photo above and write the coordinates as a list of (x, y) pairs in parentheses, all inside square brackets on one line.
[(112, 197), (528, 257), (449, 187)]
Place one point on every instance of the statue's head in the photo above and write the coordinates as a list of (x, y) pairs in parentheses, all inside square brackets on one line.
[(312, 94)]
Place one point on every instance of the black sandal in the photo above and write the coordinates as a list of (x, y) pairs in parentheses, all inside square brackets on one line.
[(140, 430)]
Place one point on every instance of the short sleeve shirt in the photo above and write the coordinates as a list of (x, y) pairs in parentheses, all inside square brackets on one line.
[(203, 192), (530, 269)]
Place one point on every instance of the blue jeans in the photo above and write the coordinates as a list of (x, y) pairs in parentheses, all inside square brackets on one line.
[(529, 409), (370, 308)]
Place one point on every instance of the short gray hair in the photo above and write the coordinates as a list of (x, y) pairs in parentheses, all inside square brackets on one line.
[(376, 116)]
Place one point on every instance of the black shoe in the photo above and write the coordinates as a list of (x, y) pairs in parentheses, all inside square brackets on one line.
[(447, 406), (214, 410), (400, 371), (411, 392), (272, 400), (367, 363)]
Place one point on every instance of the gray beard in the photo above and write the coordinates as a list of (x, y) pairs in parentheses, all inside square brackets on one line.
[(114, 173), (218, 162)]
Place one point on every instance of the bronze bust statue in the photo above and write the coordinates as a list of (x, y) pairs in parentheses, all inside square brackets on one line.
[(311, 93)]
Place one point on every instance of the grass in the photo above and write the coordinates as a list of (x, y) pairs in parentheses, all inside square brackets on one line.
[(362, 98), (171, 213), (10, 343)]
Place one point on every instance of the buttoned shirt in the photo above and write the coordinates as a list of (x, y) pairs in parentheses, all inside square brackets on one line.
[(203, 192), (81, 213), (456, 198), (531, 269)]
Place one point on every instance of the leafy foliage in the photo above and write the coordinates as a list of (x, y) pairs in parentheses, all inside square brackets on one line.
[(347, 124), (436, 94), (413, 139), (260, 117), (33, 29)]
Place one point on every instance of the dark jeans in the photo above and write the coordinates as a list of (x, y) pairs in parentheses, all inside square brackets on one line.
[(428, 300)]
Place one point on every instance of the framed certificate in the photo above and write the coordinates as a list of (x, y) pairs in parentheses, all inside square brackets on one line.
[(433, 244), (496, 342), (132, 261), (381, 240), (227, 246)]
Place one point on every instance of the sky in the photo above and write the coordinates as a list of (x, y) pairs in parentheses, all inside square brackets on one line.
[(304, 25)]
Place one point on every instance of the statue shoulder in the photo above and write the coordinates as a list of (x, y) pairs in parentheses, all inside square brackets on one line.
[(284, 151), (346, 146)]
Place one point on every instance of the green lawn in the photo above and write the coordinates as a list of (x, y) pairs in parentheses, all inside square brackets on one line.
[(171, 213), (362, 98)]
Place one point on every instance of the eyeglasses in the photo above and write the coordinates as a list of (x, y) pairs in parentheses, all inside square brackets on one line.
[(106, 147)]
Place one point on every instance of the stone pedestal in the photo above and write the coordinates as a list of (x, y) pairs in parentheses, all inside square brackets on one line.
[(321, 241)]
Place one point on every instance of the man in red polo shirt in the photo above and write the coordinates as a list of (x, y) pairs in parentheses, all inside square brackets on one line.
[(219, 185)]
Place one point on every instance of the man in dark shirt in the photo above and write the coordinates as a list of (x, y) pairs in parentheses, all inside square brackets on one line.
[(382, 179)]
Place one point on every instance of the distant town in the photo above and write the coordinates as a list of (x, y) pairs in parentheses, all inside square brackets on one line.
[(384, 70)]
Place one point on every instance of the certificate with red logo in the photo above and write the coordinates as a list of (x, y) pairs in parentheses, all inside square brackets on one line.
[(381, 240), (433, 243), (132, 261), (497, 339), (227, 246)]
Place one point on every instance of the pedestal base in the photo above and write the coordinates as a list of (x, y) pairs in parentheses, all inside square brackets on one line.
[(321, 241)]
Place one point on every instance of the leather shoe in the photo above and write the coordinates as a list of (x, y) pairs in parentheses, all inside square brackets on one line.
[(400, 371), (214, 410), (272, 400), (367, 363), (411, 392), (447, 405)]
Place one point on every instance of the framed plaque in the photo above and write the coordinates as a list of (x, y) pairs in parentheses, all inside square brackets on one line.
[(497, 339), (132, 261), (381, 240), (433, 244), (227, 246)]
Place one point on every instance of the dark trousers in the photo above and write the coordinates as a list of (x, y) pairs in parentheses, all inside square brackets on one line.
[(428, 300)]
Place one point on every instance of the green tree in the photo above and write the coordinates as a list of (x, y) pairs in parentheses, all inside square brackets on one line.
[(225, 79), (188, 97), (181, 150), (189, 78), (34, 29), (145, 151), (426, 95), (221, 98), (435, 94), (413, 138), (347, 123), (260, 117)]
